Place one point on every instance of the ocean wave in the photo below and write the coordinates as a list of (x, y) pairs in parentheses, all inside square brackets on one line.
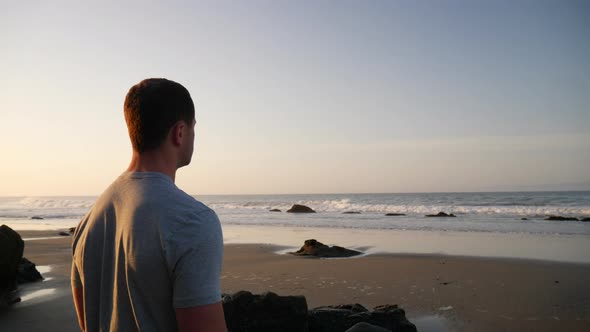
[(53, 202), (343, 205)]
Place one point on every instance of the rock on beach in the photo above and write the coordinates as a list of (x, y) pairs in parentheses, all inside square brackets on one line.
[(269, 312), (441, 214), (296, 208), (315, 248), (561, 218)]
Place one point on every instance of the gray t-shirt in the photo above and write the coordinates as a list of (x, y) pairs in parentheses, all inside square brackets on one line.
[(144, 249)]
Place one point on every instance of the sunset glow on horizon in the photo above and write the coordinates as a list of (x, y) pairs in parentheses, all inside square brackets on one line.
[(304, 97)]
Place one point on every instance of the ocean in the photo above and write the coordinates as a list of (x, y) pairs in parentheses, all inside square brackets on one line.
[(486, 224)]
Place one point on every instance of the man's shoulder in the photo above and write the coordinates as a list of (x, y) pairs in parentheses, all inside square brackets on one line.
[(188, 203)]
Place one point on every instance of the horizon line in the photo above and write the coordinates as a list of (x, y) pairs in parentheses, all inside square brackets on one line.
[(341, 193)]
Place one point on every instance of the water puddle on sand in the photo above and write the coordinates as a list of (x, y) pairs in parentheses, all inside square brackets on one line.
[(38, 293), (432, 323), (42, 238), (43, 268)]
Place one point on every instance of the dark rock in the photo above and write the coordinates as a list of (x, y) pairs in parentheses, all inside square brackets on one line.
[(366, 327), (339, 318), (317, 249), (274, 210), (351, 212), (441, 214), (69, 232), (561, 218), (585, 219), (300, 209), (523, 219), (355, 308), (395, 214), (36, 218), (268, 312), (11, 252), (27, 272)]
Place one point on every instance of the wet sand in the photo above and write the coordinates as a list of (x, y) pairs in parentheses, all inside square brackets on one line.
[(438, 292)]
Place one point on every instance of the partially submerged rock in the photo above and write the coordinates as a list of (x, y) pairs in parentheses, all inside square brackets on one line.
[(441, 214), (561, 218), (268, 312), (395, 214), (351, 212), (585, 219), (343, 317), (315, 248), (274, 210), (296, 208), (523, 219), (36, 218)]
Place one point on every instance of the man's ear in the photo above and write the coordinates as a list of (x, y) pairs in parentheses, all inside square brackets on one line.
[(177, 133)]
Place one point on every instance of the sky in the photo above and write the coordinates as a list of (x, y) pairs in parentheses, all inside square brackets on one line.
[(303, 96)]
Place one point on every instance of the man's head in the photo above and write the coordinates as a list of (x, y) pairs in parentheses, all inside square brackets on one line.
[(160, 113)]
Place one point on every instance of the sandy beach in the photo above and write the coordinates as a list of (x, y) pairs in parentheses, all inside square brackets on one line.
[(438, 292)]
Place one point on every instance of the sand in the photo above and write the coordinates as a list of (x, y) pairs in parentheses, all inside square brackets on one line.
[(438, 292)]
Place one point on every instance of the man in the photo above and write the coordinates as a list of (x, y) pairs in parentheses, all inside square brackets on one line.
[(147, 257)]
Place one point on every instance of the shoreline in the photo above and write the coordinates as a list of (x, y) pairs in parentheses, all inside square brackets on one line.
[(287, 234), (438, 292)]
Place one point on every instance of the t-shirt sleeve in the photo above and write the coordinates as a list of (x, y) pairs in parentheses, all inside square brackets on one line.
[(195, 261)]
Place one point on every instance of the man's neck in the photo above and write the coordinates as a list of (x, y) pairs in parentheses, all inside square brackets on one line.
[(152, 162)]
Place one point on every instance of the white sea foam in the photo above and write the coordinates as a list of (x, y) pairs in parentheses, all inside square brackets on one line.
[(57, 202), (45, 207), (476, 212), (345, 205)]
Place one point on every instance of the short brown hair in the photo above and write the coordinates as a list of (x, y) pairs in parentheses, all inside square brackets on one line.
[(152, 107)]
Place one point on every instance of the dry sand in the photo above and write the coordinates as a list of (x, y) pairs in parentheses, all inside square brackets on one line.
[(438, 292)]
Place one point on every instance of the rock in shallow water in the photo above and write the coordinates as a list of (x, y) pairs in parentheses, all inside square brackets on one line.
[(315, 248), (561, 218), (300, 209), (441, 214)]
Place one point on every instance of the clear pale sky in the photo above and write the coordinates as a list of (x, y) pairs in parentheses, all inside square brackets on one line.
[(304, 96)]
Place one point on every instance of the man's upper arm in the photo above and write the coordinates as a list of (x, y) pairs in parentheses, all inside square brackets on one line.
[(195, 262), (201, 318)]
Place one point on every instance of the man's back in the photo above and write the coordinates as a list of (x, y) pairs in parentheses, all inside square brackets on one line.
[(144, 249)]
